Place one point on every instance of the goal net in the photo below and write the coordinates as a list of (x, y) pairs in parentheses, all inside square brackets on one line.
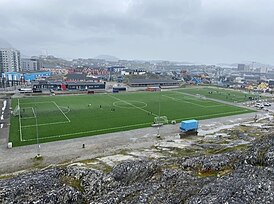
[(161, 120), (16, 110)]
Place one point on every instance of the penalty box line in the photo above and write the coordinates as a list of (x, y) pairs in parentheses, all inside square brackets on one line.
[(44, 124), (131, 104), (180, 101), (61, 110), (187, 101)]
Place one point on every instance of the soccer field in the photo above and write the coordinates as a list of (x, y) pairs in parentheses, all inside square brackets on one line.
[(54, 118)]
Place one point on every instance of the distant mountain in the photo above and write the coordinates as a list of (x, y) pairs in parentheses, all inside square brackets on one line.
[(107, 58)]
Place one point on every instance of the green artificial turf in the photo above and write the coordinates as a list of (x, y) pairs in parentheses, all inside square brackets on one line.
[(223, 94), (65, 117)]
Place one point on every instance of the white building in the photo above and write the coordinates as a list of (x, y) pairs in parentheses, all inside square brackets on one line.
[(9, 60), (126, 72), (29, 64)]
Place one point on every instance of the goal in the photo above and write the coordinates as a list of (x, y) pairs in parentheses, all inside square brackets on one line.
[(161, 120), (16, 110)]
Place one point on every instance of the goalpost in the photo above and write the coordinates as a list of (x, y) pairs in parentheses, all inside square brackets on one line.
[(160, 120), (16, 110)]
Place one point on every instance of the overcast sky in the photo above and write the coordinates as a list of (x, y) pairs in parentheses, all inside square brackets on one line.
[(201, 31)]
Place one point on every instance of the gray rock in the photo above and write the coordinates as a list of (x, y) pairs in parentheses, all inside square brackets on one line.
[(250, 179)]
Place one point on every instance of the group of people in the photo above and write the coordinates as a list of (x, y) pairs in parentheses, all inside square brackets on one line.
[(100, 106)]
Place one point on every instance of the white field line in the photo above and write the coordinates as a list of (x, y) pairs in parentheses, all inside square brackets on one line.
[(43, 124), (90, 131), (215, 114), (196, 99), (175, 99), (223, 93), (20, 127), (185, 101), (61, 111), (33, 112), (131, 104), (25, 118), (37, 102), (28, 107)]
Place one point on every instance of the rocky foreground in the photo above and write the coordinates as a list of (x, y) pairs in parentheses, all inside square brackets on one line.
[(245, 176)]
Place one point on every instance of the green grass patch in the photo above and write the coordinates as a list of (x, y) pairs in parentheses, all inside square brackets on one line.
[(75, 183), (241, 147), (223, 94), (6, 176), (212, 173)]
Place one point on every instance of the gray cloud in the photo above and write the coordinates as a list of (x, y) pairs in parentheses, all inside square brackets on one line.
[(187, 30)]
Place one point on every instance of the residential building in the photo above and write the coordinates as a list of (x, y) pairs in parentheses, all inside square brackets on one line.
[(132, 72), (9, 60), (241, 67), (29, 64), (31, 76)]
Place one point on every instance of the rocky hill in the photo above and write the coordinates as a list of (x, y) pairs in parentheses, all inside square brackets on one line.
[(245, 176)]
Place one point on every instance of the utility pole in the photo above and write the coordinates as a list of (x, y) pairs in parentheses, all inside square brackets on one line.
[(37, 134), (159, 114)]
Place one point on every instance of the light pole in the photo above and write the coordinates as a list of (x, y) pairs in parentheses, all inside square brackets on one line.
[(159, 113), (37, 134)]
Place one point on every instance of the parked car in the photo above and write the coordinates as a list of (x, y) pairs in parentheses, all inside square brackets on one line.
[(258, 105), (267, 104)]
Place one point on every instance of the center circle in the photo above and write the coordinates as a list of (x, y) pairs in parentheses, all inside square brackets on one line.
[(129, 104)]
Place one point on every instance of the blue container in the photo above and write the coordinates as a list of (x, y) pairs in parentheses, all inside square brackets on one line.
[(189, 125)]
